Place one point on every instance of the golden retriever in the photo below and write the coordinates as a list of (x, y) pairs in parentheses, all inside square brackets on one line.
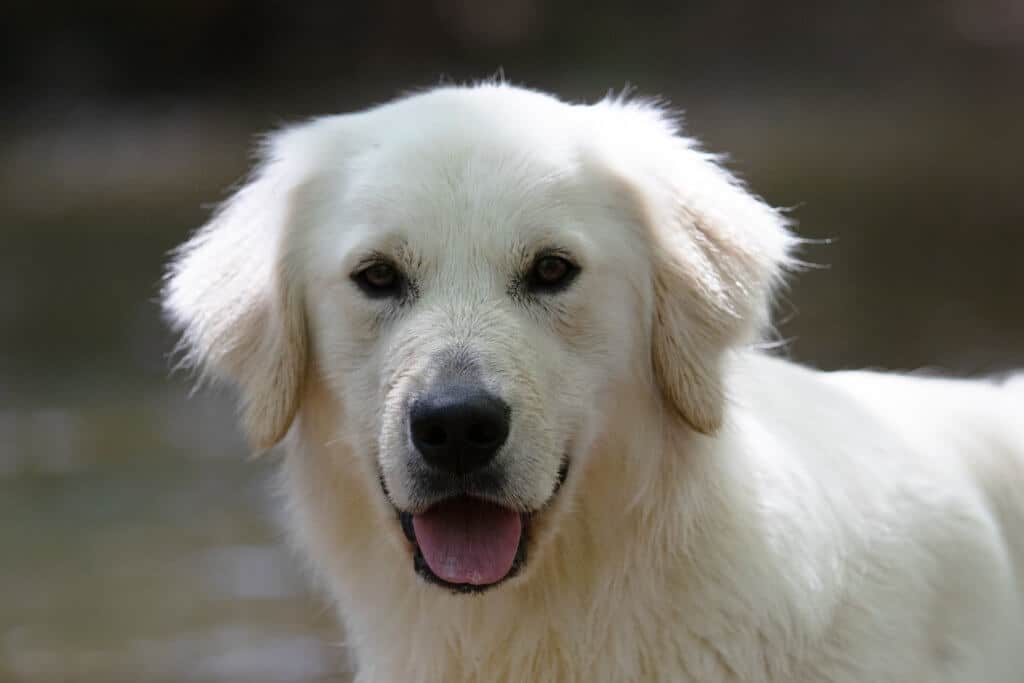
[(510, 344)]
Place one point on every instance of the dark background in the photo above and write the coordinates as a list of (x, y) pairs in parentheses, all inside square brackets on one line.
[(136, 542)]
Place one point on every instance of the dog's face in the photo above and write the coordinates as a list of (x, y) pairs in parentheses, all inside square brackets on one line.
[(476, 275), (472, 312)]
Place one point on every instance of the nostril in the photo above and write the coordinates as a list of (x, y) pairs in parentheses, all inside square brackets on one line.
[(430, 433), (483, 433)]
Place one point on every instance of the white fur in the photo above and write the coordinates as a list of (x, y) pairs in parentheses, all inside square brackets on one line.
[(727, 517)]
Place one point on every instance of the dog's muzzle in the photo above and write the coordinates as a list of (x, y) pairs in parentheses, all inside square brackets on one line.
[(463, 538), (466, 532)]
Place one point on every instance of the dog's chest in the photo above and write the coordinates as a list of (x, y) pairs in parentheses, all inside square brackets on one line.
[(596, 647)]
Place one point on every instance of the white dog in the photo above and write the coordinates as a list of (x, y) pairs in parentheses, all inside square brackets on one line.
[(509, 343)]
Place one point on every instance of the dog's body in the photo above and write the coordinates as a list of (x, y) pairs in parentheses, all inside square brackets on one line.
[(681, 506), (842, 527)]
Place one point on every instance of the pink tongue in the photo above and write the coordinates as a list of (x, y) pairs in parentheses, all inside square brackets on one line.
[(465, 540)]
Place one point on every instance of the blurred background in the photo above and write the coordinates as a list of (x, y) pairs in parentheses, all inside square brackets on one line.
[(137, 543)]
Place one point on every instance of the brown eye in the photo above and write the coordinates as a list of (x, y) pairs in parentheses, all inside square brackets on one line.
[(379, 280), (551, 273)]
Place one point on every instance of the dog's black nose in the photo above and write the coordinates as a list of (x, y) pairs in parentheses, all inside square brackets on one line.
[(458, 428)]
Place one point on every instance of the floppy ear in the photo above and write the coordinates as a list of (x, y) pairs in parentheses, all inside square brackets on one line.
[(233, 296), (717, 253)]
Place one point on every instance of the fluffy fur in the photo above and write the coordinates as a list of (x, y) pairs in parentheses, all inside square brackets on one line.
[(727, 516)]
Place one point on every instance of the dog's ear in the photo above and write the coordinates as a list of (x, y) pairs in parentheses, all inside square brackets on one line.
[(717, 253), (232, 293)]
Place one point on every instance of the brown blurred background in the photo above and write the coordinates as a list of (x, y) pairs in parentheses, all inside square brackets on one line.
[(136, 542)]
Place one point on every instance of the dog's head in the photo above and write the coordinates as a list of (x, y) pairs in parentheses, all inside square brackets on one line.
[(476, 274)]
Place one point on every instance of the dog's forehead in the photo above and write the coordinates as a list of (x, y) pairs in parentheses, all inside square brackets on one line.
[(448, 183), (454, 190)]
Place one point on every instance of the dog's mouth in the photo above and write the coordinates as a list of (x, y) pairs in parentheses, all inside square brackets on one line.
[(467, 544)]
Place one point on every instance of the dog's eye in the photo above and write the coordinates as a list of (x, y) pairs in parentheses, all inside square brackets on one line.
[(551, 273), (379, 280)]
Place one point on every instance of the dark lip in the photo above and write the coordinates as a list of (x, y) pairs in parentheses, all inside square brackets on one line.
[(423, 569)]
